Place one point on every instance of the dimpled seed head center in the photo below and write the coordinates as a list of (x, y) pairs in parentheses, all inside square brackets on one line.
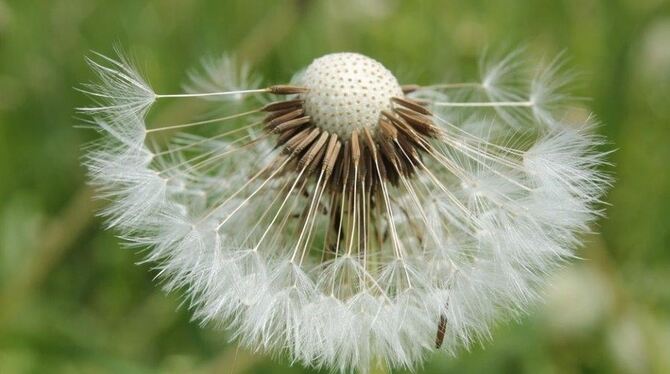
[(347, 92)]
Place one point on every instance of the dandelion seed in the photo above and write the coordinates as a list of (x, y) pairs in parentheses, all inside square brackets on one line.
[(351, 221)]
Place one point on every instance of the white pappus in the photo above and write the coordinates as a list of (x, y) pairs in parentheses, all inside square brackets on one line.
[(345, 219)]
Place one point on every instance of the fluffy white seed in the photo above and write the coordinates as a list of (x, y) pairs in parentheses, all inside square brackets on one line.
[(467, 240)]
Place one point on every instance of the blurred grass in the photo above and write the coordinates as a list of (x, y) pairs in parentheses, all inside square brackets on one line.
[(72, 301)]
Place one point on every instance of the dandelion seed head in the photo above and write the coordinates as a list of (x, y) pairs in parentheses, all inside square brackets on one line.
[(347, 92), (359, 222)]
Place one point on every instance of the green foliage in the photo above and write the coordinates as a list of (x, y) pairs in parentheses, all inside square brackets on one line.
[(73, 301)]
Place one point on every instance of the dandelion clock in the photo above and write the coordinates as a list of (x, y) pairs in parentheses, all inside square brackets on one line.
[(343, 218)]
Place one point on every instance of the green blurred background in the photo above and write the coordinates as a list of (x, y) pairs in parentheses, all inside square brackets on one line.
[(73, 301)]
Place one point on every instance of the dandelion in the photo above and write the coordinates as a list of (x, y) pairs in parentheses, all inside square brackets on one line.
[(344, 219)]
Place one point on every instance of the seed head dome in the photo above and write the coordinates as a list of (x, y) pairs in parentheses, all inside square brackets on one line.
[(347, 92)]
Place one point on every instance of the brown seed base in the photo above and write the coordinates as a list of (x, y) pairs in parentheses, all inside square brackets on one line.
[(392, 150)]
